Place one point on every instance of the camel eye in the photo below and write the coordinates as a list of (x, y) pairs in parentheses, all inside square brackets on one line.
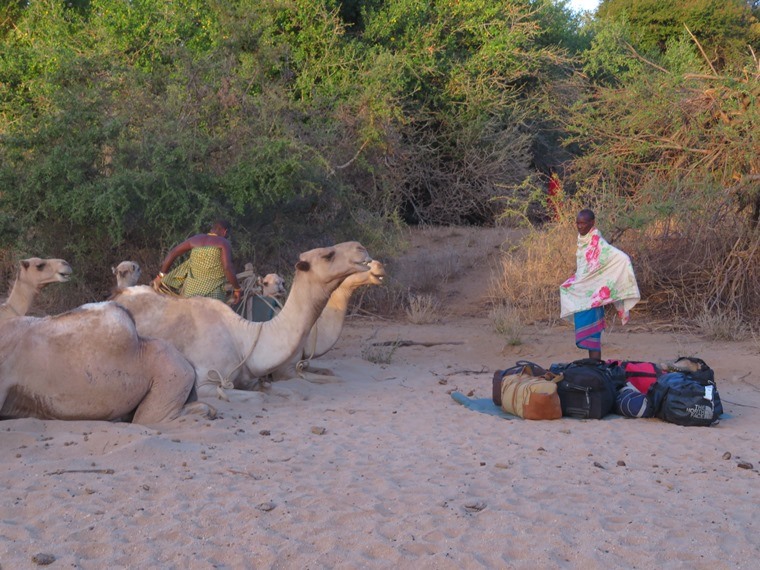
[(330, 256), (40, 266)]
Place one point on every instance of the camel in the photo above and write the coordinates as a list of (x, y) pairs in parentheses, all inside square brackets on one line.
[(326, 331), (265, 305), (228, 350), (90, 364), (33, 274), (272, 285), (260, 297), (127, 274)]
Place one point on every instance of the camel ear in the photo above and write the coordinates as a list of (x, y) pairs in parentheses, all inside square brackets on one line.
[(25, 263), (303, 266)]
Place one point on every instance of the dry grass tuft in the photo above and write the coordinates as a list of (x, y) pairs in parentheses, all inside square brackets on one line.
[(722, 326), (423, 309), (379, 353), (425, 272), (388, 300), (507, 322), (530, 274)]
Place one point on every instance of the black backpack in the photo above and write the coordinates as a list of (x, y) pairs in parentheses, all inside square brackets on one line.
[(588, 388), (687, 397)]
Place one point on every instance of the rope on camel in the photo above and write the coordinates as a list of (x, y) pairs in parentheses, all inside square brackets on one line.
[(224, 383)]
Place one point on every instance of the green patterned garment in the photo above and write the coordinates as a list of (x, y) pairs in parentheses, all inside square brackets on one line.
[(201, 275)]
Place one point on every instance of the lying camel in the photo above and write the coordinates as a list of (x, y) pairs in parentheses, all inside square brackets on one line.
[(228, 350), (326, 331), (127, 274), (260, 299), (90, 364), (33, 274), (272, 285), (265, 305)]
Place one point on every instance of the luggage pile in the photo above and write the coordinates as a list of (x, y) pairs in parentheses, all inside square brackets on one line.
[(682, 392)]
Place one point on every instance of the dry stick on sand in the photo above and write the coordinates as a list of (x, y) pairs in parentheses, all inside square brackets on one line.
[(101, 471), (412, 343)]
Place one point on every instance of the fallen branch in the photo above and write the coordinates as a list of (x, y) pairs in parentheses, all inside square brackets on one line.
[(101, 471), (483, 370), (411, 343)]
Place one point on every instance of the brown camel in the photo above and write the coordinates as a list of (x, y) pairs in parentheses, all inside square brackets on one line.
[(127, 274), (90, 364), (33, 274)]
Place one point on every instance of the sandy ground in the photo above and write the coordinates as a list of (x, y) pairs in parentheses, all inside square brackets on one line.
[(383, 469)]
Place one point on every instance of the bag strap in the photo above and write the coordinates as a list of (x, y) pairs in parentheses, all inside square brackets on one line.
[(533, 368)]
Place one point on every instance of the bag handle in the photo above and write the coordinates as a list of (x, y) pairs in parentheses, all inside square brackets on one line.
[(533, 368)]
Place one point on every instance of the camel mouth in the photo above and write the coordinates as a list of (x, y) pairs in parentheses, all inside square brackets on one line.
[(64, 276), (379, 276)]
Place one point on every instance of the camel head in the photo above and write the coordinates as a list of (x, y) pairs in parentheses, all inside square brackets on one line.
[(40, 272), (374, 276), (127, 274), (333, 264), (272, 285)]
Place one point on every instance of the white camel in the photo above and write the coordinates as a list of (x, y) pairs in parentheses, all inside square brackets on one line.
[(326, 331), (127, 274), (265, 304), (90, 364), (260, 299), (228, 350), (33, 274), (272, 285)]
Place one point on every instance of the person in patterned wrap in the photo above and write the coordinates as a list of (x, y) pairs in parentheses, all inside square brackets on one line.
[(206, 270), (604, 275)]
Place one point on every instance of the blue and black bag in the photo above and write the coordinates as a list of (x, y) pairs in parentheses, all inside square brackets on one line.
[(687, 398)]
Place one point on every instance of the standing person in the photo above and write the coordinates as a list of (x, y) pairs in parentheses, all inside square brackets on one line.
[(603, 275), (554, 195), (207, 269)]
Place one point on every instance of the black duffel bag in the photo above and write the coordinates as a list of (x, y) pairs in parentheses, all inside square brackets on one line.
[(687, 397), (588, 388)]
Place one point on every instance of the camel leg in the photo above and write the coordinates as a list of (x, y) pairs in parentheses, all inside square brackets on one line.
[(200, 408), (172, 379)]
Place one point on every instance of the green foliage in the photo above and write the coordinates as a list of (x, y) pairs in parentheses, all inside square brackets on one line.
[(724, 27), (126, 126), (469, 71), (671, 164)]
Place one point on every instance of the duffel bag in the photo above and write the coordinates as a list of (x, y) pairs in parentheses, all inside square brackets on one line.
[(588, 387), (689, 396), (525, 390), (631, 403)]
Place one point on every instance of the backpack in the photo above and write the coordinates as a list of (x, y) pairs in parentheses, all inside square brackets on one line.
[(687, 396), (588, 388), (639, 374), (526, 390)]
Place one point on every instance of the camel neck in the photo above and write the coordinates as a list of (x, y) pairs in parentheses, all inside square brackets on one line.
[(21, 297)]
